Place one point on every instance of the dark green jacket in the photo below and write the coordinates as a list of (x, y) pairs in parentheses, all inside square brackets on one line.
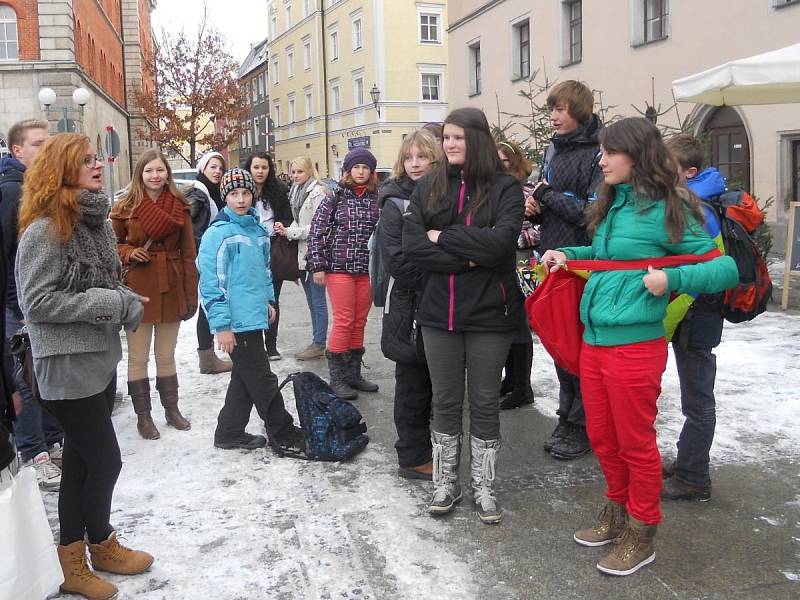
[(616, 307)]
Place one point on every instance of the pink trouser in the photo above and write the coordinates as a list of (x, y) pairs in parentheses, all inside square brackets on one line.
[(351, 299), (620, 387)]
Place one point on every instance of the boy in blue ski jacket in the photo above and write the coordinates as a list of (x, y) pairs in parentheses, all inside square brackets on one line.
[(699, 330), (237, 297)]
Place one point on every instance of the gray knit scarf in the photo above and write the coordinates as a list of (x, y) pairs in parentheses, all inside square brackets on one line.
[(91, 254), (298, 194)]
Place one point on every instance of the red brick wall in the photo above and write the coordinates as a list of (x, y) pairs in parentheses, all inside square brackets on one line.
[(27, 27), (146, 43), (98, 45)]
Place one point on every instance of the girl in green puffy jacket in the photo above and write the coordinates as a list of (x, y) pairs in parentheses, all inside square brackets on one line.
[(641, 212)]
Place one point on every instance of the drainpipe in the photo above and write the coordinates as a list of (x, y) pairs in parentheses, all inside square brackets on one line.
[(325, 86)]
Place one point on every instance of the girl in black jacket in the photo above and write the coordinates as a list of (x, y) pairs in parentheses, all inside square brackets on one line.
[(461, 230), (272, 204), (419, 153)]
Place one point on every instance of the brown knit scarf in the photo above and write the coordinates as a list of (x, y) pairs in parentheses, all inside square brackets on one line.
[(162, 217)]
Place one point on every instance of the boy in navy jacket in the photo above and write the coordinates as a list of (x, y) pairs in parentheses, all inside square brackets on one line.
[(237, 297)]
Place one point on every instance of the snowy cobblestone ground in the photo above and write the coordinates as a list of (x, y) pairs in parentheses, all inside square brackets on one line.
[(232, 525)]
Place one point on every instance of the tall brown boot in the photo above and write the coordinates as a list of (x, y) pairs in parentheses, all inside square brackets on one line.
[(211, 364), (139, 391), (168, 391), (79, 578)]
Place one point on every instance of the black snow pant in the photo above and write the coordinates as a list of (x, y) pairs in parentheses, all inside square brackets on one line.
[(412, 414), (252, 383)]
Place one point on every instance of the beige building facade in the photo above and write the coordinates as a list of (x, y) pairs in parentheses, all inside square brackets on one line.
[(631, 51), (350, 73)]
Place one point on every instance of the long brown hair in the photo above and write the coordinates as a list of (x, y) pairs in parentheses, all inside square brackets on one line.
[(518, 165), (51, 184), (654, 175), (481, 166), (136, 193)]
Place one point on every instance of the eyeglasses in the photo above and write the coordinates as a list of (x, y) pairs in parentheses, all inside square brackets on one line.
[(91, 160)]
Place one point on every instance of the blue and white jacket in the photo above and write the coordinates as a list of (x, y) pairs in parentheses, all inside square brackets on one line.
[(235, 279)]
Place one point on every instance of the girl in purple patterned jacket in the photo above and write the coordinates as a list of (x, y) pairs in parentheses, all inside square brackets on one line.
[(338, 256)]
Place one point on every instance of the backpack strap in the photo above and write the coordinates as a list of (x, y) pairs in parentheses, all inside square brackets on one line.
[(660, 262), (549, 153)]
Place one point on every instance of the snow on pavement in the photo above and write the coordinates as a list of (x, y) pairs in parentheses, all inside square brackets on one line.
[(235, 525)]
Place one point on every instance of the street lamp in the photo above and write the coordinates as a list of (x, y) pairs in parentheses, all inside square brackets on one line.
[(80, 97), (375, 94)]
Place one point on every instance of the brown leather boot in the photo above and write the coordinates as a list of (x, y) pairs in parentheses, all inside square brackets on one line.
[(633, 550), (611, 523), (211, 364), (113, 557), (139, 391), (79, 578), (168, 391)]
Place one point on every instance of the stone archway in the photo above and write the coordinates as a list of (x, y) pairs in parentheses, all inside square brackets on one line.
[(729, 146)]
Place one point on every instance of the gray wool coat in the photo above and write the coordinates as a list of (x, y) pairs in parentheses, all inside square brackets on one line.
[(61, 322)]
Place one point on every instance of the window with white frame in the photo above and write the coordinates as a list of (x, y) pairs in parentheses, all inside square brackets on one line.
[(358, 34), (276, 113), (289, 63), (273, 23), (9, 38), (243, 139), (275, 71), (306, 8), (650, 21), (256, 130), (429, 28), (287, 9), (262, 86), (254, 90), (309, 103), (248, 143), (336, 97), (475, 69), (572, 27), (521, 40), (358, 91), (431, 84), (292, 108), (334, 44), (307, 53)]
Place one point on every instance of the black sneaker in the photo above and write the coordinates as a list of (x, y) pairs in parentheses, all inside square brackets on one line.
[(573, 444), (676, 488), (274, 355), (506, 386), (292, 440), (243, 441), (559, 432)]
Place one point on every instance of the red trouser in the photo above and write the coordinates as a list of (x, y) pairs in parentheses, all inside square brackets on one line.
[(620, 387), (351, 299)]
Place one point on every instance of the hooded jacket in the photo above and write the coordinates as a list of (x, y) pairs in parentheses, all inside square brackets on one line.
[(570, 167), (400, 307), (456, 296), (11, 177), (302, 216), (235, 279)]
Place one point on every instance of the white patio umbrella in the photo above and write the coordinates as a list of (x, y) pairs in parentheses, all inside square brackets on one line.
[(769, 78)]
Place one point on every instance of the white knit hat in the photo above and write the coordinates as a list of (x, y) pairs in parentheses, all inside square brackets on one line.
[(203, 162)]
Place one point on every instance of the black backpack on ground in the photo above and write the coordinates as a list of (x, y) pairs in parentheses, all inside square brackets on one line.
[(333, 428)]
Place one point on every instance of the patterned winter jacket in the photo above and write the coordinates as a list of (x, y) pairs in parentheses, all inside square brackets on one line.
[(340, 232)]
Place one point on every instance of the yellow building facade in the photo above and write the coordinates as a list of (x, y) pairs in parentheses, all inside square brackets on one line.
[(327, 60)]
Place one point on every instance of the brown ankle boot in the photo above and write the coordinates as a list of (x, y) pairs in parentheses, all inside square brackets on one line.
[(633, 550), (211, 364), (79, 578), (611, 523), (168, 390), (139, 391), (113, 557)]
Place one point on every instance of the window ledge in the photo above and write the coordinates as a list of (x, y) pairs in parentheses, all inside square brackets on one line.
[(649, 42), (786, 4), (571, 64), (474, 94), (518, 78)]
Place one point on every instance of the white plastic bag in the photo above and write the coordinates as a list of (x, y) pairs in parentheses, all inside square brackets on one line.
[(30, 567)]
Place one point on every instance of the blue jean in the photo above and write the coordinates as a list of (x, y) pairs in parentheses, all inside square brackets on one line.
[(692, 344), (318, 307), (35, 430)]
